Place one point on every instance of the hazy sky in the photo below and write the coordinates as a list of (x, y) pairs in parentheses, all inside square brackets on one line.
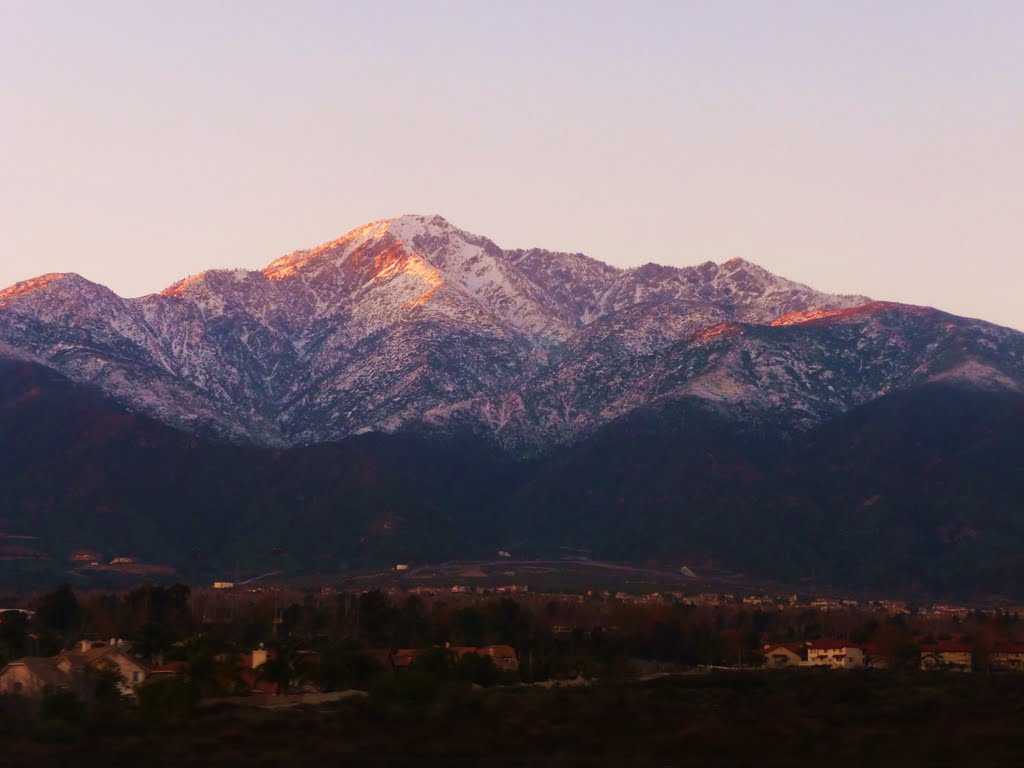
[(861, 147)]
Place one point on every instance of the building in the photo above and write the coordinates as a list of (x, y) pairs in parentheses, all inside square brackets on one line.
[(876, 657), (946, 655), (93, 657), (86, 557), (503, 656), (1009, 658), (172, 669), (461, 651), (782, 655), (383, 657), (834, 654), (32, 677), (27, 614), (404, 657), (249, 672)]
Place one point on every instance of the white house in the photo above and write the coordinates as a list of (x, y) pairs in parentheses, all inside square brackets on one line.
[(835, 654)]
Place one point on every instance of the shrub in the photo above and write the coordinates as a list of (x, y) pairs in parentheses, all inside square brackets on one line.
[(161, 700), (61, 705)]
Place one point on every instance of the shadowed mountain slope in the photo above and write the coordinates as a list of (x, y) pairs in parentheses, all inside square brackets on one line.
[(917, 491)]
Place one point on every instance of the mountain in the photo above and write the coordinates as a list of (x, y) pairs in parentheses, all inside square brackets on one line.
[(411, 391), (401, 324)]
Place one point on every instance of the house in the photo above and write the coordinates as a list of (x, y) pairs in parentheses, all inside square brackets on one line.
[(503, 656), (876, 657), (1008, 657), (782, 655), (383, 657), (32, 677), (245, 671), (947, 655), (93, 657), (835, 654), (248, 669), (27, 614), (257, 658), (404, 657), (461, 651), (172, 669)]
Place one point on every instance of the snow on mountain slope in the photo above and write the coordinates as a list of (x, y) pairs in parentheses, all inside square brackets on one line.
[(413, 323), (787, 377)]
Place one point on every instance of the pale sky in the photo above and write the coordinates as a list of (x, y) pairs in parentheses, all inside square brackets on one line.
[(860, 147)]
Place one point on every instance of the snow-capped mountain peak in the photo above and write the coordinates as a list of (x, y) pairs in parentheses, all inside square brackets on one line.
[(411, 322)]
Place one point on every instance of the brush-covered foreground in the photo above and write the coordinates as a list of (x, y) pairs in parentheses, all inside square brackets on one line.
[(807, 718)]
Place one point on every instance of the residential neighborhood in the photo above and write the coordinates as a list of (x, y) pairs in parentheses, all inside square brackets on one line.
[(943, 655), (77, 671)]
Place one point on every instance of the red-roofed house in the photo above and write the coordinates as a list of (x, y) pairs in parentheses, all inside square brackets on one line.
[(404, 657), (503, 656), (461, 651), (1008, 657), (168, 670), (835, 654), (382, 657), (249, 672)]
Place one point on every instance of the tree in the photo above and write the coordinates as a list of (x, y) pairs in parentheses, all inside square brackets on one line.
[(209, 670), (895, 643), (13, 636), (346, 664), (106, 686), (152, 640), (472, 626), (281, 666), (436, 662), (166, 699), (477, 669), (376, 616), (59, 611), (61, 705)]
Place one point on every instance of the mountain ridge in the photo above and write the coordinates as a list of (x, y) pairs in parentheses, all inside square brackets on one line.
[(414, 324)]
